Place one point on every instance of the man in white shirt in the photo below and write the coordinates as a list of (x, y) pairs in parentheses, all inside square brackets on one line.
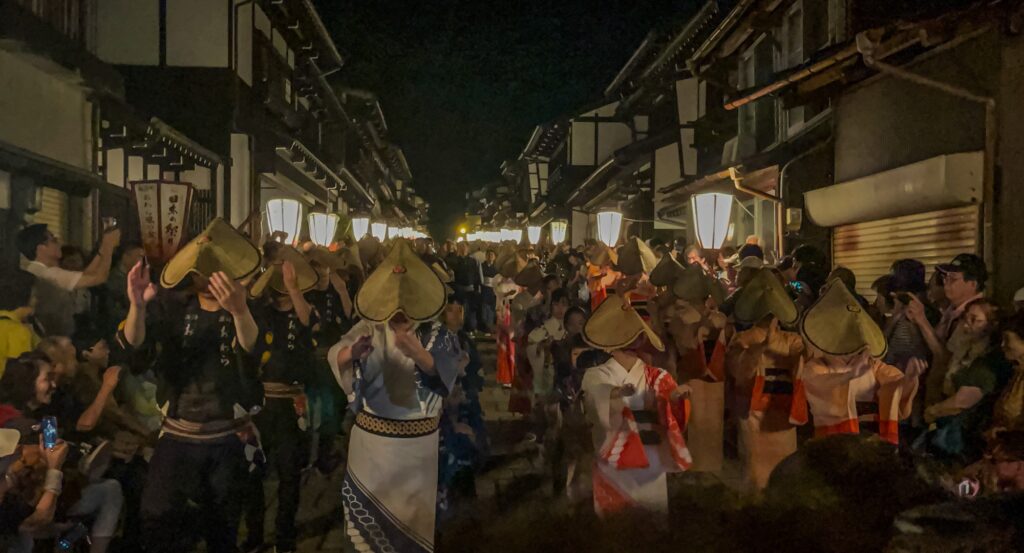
[(43, 251)]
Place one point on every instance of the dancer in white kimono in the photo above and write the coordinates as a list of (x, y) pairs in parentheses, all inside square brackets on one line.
[(396, 382), (638, 414)]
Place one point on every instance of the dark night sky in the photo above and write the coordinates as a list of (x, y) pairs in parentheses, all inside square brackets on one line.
[(463, 82)]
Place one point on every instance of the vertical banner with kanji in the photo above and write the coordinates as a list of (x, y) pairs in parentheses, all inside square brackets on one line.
[(163, 216)]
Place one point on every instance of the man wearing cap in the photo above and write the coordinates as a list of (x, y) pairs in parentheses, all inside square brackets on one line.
[(207, 384), (963, 280), (638, 414), (396, 381)]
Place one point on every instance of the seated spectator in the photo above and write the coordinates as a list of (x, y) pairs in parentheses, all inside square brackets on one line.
[(27, 502), (971, 389), (27, 387), (74, 403), (17, 305), (1009, 411)]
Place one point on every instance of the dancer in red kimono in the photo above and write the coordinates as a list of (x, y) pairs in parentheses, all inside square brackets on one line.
[(638, 414)]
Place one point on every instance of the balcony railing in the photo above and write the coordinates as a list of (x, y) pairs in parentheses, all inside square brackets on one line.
[(71, 18)]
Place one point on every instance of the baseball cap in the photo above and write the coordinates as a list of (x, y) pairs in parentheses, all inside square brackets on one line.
[(751, 250), (972, 267)]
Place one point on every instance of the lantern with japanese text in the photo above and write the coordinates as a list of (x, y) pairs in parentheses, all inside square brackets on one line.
[(163, 209)]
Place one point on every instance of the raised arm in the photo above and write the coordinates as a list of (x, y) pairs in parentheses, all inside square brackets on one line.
[(341, 288), (140, 292), (98, 270), (91, 416)]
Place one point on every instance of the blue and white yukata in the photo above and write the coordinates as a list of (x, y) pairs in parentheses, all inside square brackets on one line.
[(390, 487)]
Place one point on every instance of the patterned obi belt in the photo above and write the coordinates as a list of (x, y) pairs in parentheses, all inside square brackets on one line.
[(391, 428), (277, 390), (205, 432), (648, 427)]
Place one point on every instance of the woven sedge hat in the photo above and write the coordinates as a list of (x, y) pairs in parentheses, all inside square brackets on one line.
[(219, 248), (530, 277), (615, 325), (837, 325), (602, 255), (326, 258), (636, 257), (694, 286), (402, 282), (510, 262), (666, 271), (276, 255), (762, 296)]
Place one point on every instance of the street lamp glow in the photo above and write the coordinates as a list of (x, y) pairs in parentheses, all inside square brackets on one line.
[(533, 234), (360, 226), (711, 214), (322, 228), (558, 231), (379, 231), (285, 215), (609, 225)]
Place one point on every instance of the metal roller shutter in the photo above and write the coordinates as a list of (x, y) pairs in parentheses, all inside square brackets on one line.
[(54, 212), (868, 249)]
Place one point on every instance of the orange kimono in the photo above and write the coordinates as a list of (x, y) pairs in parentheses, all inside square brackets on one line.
[(864, 392), (768, 397)]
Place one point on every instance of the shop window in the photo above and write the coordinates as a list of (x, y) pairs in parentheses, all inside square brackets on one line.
[(753, 217)]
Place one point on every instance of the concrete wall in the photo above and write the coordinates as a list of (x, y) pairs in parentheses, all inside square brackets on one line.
[(886, 122), (44, 113)]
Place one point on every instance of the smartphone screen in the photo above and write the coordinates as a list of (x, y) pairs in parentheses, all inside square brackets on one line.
[(49, 432)]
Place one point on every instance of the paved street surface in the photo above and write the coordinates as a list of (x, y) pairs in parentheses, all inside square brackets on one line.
[(508, 479)]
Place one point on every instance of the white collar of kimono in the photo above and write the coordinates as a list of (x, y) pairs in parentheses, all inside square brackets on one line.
[(637, 366)]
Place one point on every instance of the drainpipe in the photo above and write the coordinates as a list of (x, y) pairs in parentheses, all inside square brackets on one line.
[(783, 173), (866, 48)]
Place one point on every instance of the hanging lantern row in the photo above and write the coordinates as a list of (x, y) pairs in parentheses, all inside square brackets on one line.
[(284, 217)]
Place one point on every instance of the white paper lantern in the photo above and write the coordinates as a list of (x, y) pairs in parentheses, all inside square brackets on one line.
[(379, 231), (609, 225), (558, 231), (533, 234), (285, 215), (360, 226), (322, 228), (711, 214)]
